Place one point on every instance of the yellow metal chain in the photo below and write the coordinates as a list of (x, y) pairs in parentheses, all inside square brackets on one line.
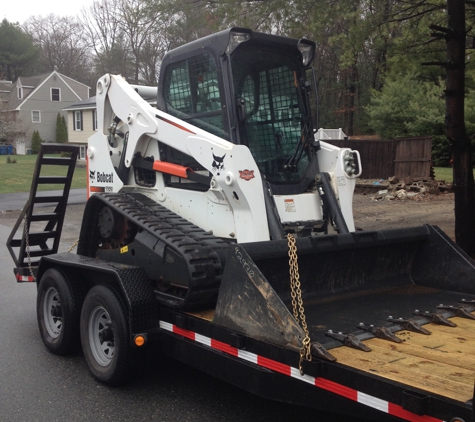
[(27, 244), (297, 302), (73, 245)]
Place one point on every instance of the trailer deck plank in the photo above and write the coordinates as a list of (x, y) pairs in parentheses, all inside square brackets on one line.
[(418, 374), (431, 363), (444, 339), (422, 349), (465, 329)]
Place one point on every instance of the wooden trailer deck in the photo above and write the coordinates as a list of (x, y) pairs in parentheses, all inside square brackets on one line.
[(442, 363)]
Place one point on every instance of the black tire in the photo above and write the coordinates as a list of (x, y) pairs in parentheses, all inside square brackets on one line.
[(105, 336), (58, 310)]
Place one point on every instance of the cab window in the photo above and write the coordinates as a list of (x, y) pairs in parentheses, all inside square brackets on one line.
[(192, 93)]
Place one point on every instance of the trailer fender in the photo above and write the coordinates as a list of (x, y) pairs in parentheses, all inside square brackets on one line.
[(129, 281)]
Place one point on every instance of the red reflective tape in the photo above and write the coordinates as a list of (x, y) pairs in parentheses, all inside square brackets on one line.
[(170, 168), (184, 333), (330, 386), (28, 278), (396, 410), (176, 124), (215, 344), (97, 189), (274, 365), (336, 388)]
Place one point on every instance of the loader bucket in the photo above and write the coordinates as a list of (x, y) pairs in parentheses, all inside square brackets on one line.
[(345, 279)]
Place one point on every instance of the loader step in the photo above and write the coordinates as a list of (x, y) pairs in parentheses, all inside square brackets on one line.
[(29, 238)]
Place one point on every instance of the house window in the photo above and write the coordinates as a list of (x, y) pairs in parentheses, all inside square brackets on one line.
[(82, 152), (94, 119), (20, 93), (55, 94), (36, 116), (78, 120)]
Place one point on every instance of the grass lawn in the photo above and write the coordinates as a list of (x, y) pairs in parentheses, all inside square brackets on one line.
[(444, 173), (16, 177)]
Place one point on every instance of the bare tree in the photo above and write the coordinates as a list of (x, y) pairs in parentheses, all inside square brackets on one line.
[(127, 36), (11, 128), (151, 54), (61, 43), (138, 20), (101, 26)]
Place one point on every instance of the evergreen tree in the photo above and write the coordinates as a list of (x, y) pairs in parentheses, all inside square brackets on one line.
[(17, 51), (65, 128), (61, 130), (36, 142)]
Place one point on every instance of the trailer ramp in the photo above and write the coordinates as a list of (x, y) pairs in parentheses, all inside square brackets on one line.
[(41, 231)]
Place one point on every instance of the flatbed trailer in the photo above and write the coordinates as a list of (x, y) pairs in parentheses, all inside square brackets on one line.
[(416, 377)]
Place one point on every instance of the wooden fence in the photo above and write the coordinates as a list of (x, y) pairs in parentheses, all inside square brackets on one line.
[(399, 157)]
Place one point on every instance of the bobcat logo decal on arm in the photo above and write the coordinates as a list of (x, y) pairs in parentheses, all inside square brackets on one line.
[(218, 164)]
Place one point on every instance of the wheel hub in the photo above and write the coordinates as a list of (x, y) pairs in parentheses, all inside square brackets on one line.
[(106, 335), (56, 310), (52, 313), (101, 336)]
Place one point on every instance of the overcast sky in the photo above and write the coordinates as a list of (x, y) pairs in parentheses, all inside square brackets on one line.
[(21, 10)]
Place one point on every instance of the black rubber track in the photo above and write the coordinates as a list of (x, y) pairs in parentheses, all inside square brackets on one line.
[(199, 251)]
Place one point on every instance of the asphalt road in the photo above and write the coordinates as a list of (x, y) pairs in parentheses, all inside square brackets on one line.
[(39, 386), (16, 201)]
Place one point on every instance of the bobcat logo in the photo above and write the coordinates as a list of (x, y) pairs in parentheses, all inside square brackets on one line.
[(218, 164), (92, 174)]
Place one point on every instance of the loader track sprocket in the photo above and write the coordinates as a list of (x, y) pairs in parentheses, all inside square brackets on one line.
[(183, 261)]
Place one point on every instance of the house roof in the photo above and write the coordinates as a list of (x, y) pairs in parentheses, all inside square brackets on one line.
[(31, 84), (88, 103)]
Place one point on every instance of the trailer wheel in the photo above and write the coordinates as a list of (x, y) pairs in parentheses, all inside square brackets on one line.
[(105, 335), (58, 310)]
